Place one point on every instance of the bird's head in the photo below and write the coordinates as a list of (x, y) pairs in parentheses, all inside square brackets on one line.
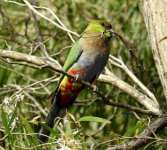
[(101, 26)]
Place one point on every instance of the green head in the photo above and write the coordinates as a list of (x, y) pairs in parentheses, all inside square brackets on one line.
[(101, 26)]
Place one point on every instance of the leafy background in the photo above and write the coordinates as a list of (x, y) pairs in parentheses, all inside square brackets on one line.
[(21, 118)]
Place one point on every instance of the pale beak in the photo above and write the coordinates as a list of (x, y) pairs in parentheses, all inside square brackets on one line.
[(112, 32)]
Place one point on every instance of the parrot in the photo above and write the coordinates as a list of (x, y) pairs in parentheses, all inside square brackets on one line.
[(86, 60)]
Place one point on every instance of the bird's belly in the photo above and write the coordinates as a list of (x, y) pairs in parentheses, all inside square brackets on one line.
[(69, 90), (88, 68), (91, 65)]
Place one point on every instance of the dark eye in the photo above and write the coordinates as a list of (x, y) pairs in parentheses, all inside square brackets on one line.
[(102, 24)]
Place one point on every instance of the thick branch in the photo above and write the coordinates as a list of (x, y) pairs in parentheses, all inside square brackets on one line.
[(22, 57), (155, 16), (110, 79), (137, 95), (144, 137)]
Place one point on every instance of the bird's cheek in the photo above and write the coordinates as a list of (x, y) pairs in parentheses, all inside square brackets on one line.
[(107, 34)]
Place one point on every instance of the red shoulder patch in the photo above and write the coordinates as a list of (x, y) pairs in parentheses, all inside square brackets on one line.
[(76, 72), (70, 90)]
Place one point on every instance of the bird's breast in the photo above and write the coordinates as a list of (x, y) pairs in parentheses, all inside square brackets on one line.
[(92, 60)]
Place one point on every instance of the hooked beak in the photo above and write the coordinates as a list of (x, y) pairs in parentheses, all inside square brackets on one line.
[(112, 32)]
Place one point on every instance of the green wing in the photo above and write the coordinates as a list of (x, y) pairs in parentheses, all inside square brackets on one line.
[(73, 56)]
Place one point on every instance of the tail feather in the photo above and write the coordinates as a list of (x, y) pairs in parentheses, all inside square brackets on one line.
[(55, 111), (58, 109)]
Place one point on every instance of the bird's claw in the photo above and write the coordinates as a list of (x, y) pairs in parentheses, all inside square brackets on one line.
[(94, 89), (77, 77)]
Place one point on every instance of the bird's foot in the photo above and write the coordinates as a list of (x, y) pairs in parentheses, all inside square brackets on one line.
[(77, 77), (94, 89)]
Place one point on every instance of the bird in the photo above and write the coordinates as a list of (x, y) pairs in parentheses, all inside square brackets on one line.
[(86, 60)]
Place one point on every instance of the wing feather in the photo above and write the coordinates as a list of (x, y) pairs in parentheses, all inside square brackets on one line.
[(73, 56)]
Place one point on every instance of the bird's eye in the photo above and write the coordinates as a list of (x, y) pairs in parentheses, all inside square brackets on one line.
[(102, 24)]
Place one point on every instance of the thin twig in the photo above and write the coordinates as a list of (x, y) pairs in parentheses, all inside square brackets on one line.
[(48, 63), (38, 31), (132, 108), (144, 137), (119, 63), (46, 18)]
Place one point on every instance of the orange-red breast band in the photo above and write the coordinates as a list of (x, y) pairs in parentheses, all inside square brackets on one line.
[(70, 89)]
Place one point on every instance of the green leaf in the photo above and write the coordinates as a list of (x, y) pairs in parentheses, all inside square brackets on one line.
[(94, 119), (4, 119), (35, 120), (26, 123), (136, 129), (13, 117), (7, 129), (49, 128), (54, 133), (29, 129)]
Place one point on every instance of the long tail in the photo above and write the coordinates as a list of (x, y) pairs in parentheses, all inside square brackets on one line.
[(55, 111)]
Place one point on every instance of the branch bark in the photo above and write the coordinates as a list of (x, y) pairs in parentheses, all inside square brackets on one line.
[(144, 137), (110, 79), (155, 16), (136, 94)]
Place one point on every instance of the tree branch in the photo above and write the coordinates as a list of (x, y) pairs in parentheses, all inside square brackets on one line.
[(22, 57), (155, 17), (144, 137), (119, 62), (110, 79), (62, 26), (132, 108), (136, 94)]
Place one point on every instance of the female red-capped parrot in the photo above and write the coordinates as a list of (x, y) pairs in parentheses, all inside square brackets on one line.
[(86, 60)]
